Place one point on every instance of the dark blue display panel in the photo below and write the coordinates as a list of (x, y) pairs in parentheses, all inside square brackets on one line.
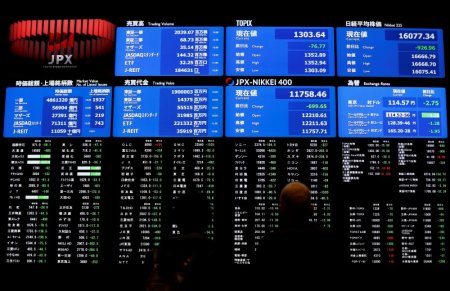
[(58, 112), (164, 51), (280, 112), (390, 52), (168, 111), (280, 51), (392, 112)]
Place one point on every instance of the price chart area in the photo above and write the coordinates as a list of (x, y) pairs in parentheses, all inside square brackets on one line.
[(386, 52), (300, 51), (405, 112)]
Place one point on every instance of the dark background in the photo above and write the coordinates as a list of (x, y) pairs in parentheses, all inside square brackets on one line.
[(110, 276)]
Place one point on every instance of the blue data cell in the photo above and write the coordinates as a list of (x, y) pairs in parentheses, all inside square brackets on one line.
[(280, 51), (392, 112), (280, 111), (168, 111), (169, 51), (58, 112), (390, 52)]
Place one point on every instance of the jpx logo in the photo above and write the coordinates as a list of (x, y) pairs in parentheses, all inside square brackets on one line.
[(60, 60)]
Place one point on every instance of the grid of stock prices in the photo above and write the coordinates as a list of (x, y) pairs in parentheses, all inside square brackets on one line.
[(107, 122)]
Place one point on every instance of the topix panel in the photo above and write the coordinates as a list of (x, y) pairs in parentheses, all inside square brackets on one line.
[(390, 52), (58, 112), (405, 112), (164, 51), (280, 111), (280, 51), (168, 111)]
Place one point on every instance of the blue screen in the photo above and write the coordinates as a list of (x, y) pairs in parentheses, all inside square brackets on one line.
[(58, 112), (392, 112), (280, 51), (280, 111), (181, 51), (389, 52), (168, 111)]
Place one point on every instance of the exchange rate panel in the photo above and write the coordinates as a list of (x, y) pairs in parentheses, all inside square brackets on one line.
[(394, 112)]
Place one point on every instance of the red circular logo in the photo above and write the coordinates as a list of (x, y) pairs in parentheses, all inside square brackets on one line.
[(65, 38)]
